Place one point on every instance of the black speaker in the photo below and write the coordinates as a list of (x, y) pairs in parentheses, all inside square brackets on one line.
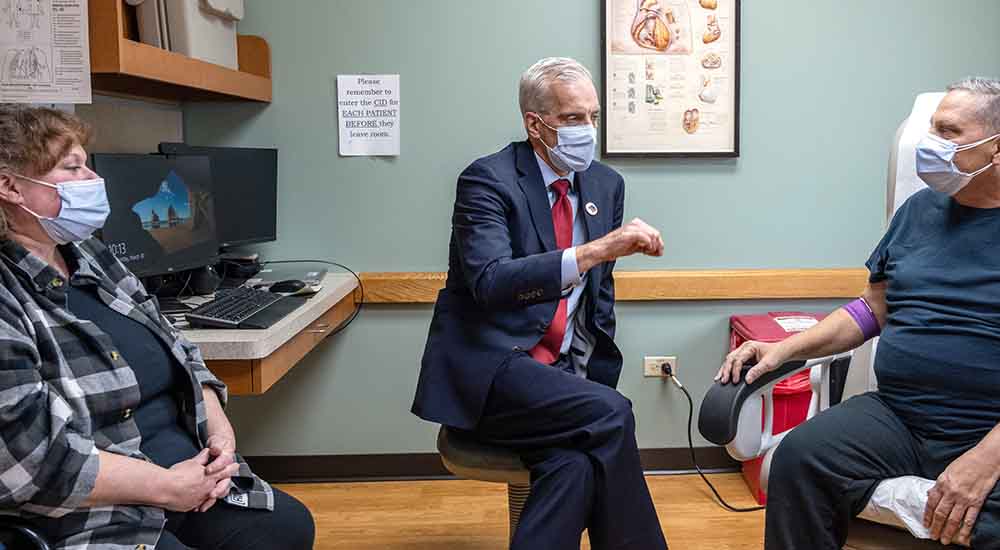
[(204, 280), (238, 269)]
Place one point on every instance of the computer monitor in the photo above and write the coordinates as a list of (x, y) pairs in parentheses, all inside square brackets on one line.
[(162, 212), (246, 185)]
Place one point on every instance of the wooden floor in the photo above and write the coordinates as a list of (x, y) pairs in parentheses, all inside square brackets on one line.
[(472, 515)]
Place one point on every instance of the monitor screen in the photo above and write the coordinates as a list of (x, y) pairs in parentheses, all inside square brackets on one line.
[(246, 186), (162, 212)]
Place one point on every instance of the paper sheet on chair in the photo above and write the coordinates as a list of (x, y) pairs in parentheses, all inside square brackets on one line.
[(900, 502)]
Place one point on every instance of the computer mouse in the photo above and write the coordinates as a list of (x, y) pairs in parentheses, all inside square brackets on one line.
[(290, 286)]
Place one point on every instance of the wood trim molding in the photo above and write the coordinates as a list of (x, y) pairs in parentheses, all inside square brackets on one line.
[(374, 467), (745, 284), (400, 287), (636, 286)]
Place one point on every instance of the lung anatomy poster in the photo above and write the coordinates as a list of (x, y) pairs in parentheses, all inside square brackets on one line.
[(45, 49)]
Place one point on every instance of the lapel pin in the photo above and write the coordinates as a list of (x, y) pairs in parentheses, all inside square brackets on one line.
[(591, 208)]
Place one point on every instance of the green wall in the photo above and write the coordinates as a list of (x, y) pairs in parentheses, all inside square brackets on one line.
[(824, 84)]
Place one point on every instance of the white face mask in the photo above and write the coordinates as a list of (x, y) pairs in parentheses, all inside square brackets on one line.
[(936, 163), (575, 147), (84, 209)]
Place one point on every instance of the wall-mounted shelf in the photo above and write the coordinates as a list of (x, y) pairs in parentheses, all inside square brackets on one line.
[(121, 65)]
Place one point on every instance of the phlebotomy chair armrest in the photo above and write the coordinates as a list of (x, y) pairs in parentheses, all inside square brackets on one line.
[(731, 413)]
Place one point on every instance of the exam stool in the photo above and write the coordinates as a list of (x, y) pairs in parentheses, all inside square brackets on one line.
[(469, 459)]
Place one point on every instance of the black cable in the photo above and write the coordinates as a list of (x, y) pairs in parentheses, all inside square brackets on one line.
[(357, 305), (694, 460), (180, 295)]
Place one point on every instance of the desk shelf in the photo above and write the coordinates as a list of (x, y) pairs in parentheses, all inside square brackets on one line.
[(124, 66)]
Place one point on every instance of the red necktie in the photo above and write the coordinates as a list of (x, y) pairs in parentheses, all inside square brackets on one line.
[(547, 349)]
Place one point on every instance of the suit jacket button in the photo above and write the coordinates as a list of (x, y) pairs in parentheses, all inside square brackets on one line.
[(517, 348), (543, 327)]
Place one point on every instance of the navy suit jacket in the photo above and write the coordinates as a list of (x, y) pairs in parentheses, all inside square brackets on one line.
[(504, 282)]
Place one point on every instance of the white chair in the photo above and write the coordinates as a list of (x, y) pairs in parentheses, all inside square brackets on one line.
[(731, 414)]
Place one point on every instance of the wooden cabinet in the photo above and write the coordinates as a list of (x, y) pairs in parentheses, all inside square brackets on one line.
[(256, 376), (123, 65)]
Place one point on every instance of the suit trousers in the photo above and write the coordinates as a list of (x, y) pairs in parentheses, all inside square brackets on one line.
[(577, 437), (825, 470)]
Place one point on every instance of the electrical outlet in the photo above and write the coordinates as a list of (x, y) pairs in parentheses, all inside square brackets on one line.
[(652, 366)]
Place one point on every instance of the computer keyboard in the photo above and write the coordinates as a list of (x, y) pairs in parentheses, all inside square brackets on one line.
[(239, 308)]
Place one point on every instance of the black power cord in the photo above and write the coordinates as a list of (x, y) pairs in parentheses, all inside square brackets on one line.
[(187, 283), (357, 305), (669, 374)]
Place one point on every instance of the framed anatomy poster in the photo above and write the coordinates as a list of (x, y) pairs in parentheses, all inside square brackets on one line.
[(671, 78)]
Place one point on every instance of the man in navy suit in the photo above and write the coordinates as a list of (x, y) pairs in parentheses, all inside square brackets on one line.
[(521, 348)]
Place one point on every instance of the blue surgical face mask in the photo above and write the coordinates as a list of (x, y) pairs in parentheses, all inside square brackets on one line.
[(575, 147), (84, 209), (936, 163)]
